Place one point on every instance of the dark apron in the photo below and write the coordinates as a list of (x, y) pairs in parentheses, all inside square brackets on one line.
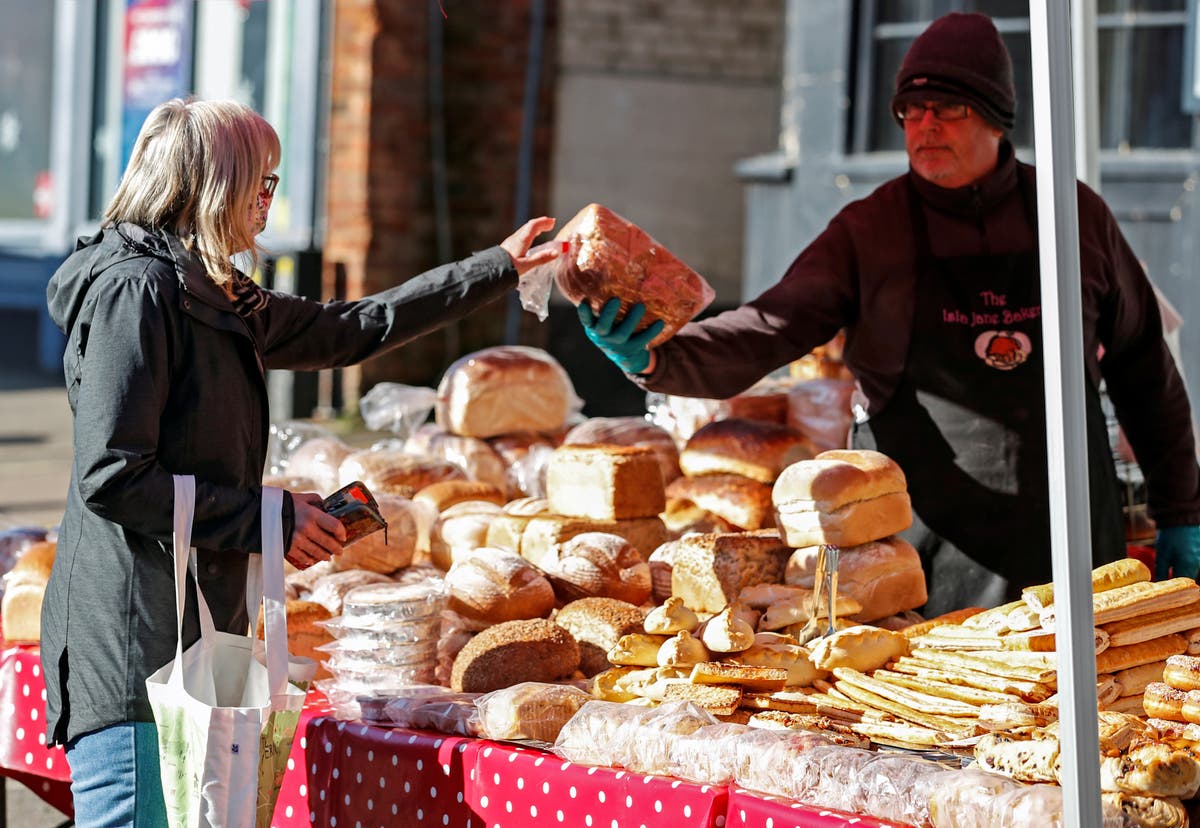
[(967, 424)]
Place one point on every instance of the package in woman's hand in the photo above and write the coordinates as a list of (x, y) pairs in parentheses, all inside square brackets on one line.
[(608, 256)]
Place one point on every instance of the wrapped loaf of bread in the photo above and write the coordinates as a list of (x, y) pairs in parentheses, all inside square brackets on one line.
[(842, 497), (474, 456), (319, 460), (384, 551), (750, 448), (25, 587), (502, 390), (629, 431), (604, 482), (530, 710), (525, 456), (612, 257), (392, 471), (820, 410), (884, 576)]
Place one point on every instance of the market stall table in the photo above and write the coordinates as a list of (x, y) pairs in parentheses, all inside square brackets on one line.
[(23, 752), (351, 773)]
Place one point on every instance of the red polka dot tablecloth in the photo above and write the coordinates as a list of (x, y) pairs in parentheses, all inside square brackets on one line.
[(23, 752), (751, 810)]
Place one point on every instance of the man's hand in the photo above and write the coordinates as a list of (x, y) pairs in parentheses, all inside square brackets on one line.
[(630, 351), (1177, 552), (316, 535)]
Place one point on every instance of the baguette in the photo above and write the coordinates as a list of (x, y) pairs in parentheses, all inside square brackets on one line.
[(945, 619), (1104, 578), (1139, 598), (1147, 652), (1152, 625), (993, 618)]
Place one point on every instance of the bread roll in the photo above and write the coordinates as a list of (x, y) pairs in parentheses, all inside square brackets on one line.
[(612, 257), (443, 495), (629, 431), (460, 530), (672, 617), (598, 564), (513, 652), (750, 448), (496, 585), (531, 710), (388, 550), (682, 651), (743, 502), (604, 482), (884, 576), (504, 389), (543, 535), (708, 571), (388, 471), (727, 633), (598, 624)]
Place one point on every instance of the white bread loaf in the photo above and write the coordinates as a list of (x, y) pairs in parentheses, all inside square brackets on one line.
[(506, 528), (502, 390), (495, 585), (389, 471), (598, 564), (25, 587), (629, 431), (543, 535), (743, 502), (750, 448), (884, 576), (384, 551), (460, 530), (709, 571), (605, 482)]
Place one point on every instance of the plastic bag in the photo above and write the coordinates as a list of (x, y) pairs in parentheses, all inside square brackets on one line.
[(681, 417), (399, 408), (529, 710), (709, 755), (536, 284)]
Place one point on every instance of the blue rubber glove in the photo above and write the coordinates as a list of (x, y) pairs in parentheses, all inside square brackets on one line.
[(1177, 552), (629, 350)]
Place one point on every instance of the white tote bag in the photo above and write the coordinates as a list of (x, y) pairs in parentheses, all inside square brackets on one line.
[(222, 716)]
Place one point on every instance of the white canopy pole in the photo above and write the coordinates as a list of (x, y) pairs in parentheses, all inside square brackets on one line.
[(1066, 432), (1084, 39)]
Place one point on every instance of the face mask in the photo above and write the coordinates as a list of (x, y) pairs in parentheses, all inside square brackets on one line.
[(258, 213)]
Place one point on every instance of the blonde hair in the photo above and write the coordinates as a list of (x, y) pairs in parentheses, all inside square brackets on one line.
[(196, 170)]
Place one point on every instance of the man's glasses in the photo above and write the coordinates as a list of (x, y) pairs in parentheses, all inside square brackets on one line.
[(269, 183), (941, 111)]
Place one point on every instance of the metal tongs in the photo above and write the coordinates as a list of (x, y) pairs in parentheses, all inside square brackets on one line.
[(825, 581)]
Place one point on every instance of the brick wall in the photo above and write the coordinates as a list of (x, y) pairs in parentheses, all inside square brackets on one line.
[(381, 227), (711, 39)]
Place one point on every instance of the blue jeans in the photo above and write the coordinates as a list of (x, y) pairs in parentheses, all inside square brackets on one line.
[(114, 777)]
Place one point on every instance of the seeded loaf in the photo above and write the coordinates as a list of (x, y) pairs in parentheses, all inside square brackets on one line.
[(598, 624), (709, 571), (513, 652)]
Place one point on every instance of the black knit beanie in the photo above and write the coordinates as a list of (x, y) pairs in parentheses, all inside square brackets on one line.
[(960, 57)]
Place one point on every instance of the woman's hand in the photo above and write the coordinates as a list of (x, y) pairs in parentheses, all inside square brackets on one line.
[(316, 536), (517, 245)]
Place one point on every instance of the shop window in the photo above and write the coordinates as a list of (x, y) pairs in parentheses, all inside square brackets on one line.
[(1141, 62), (26, 85)]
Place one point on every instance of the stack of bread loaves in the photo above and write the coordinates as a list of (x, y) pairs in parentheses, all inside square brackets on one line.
[(616, 490), (729, 466)]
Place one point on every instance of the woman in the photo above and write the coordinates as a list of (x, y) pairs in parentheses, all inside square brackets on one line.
[(167, 344)]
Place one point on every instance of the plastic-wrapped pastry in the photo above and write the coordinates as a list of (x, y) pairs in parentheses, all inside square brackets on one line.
[(592, 735), (965, 799), (394, 602), (647, 749), (331, 589), (828, 777), (363, 662), (763, 753), (708, 755), (898, 787), (529, 710), (379, 635)]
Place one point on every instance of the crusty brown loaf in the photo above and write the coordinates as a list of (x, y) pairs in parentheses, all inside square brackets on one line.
[(443, 495), (512, 652), (885, 576), (604, 482), (743, 502), (629, 431), (496, 585), (853, 524), (754, 449), (543, 534), (833, 479), (501, 390), (598, 624), (612, 257), (708, 571), (598, 564), (389, 471), (371, 552)]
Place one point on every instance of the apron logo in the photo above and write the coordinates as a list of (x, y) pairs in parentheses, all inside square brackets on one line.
[(1003, 350)]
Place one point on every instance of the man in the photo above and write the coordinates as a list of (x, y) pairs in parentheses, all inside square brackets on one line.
[(935, 278)]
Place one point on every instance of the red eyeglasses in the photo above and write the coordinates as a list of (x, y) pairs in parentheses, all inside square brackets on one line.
[(269, 183)]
